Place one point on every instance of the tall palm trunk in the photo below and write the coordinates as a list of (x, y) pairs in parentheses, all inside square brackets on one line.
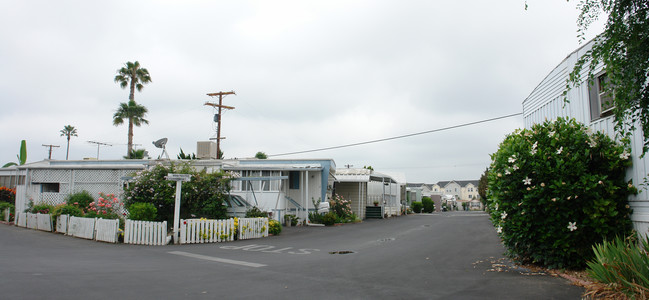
[(67, 150), (130, 137)]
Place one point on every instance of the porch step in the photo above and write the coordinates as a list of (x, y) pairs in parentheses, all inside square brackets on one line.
[(373, 212)]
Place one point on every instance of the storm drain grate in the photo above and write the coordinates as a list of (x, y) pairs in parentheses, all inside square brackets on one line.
[(341, 252), (387, 239)]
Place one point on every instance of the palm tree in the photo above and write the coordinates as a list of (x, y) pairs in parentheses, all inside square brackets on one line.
[(68, 131), (135, 114), (134, 75)]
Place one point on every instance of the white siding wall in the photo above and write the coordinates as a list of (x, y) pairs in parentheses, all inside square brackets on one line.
[(546, 102)]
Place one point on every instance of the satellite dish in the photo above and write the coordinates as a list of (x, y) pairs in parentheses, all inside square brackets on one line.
[(162, 143)]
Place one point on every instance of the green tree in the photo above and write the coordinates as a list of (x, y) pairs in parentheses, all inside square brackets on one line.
[(22, 156), (68, 131), (623, 50), (482, 186), (136, 154), (261, 155), (135, 114), (182, 155), (133, 76)]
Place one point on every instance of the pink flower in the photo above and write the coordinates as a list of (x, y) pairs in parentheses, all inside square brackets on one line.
[(115, 200), (101, 199), (92, 203), (101, 204), (109, 205)]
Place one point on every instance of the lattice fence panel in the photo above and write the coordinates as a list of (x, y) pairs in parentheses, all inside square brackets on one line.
[(52, 198), (87, 176), (50, 175)]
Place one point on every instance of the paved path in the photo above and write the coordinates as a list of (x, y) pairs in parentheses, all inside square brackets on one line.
[(437, 256)]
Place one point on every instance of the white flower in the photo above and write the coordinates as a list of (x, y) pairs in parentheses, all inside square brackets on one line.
[(572, 226), (533, 151), (512, 159), (551, 133), (625, 155), (515, 167), (560, 150), (499, 229), (503, 215), (592, 143), (535, 145), (496, 206), (527, 181), (507, 172)]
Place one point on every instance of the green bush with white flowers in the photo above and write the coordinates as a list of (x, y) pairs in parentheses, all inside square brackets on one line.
[(557, 189)]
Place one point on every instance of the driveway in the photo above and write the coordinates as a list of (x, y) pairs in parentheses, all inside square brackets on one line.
[(430, 256)]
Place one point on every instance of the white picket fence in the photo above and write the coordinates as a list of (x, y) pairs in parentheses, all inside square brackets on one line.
[(107, 230), (7, 214), (34, 221), (252, 228), (193, 231), (145, 233)]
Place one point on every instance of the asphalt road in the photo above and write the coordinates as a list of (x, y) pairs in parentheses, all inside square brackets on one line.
[(438, 256)]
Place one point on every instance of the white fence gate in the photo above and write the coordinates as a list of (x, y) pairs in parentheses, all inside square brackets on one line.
[(82, 227), (145, 233), (206, 231), (252, 228), (62, 224), (21, 219), (106, 230)]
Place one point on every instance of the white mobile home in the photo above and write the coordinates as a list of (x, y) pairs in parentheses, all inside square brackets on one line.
[(365, 187), (587, 105), (283, 186)]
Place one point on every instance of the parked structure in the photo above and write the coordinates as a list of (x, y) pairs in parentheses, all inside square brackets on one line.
[(454, 193), (587, 105), (364, 187)]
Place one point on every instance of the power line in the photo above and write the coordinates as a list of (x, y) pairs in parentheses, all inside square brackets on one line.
[(399, 136)]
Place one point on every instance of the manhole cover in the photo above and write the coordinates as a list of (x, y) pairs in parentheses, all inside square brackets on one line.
[(341, 252)]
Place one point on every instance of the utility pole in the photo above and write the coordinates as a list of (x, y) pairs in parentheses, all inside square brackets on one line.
[(50, 146), (217, 118)]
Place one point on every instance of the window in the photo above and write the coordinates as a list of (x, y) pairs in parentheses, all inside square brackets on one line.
[(50, 187), (294, 180), (601, 99)]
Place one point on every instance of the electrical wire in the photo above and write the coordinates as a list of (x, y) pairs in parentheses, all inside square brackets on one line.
[(399, 136)]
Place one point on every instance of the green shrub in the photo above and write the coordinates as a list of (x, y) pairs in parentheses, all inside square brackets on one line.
[(141, 211), (255, 212), (417, 206), (428, 204), (274, 227), (12, 210), (555, 190), (41, 209), (329, 218), (81, 199), (315, 217), (66, 209), (622, 264)]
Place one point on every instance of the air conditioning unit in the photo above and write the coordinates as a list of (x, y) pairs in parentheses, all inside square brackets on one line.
[(206, 150)]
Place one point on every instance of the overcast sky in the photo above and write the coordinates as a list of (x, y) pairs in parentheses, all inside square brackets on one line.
[(307, 75)]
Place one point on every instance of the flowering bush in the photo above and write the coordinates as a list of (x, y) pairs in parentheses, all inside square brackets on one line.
[(7, 195), (274, 227), (201, 197), (106, 207), (555, 190), (341, 206)]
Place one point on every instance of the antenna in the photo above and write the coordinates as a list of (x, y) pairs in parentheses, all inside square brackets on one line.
[(98, 145), (162, 143)]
